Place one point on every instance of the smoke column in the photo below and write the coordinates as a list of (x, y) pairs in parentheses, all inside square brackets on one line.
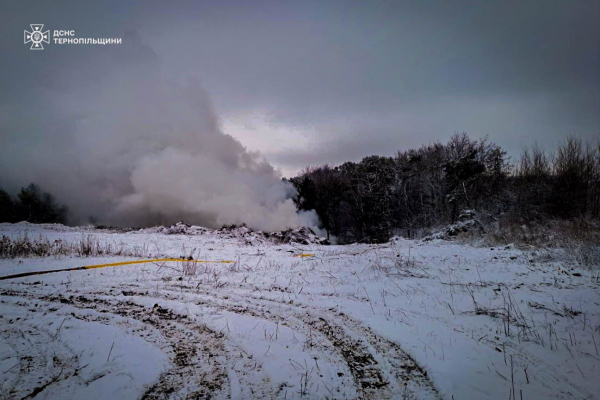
[(113, 139)]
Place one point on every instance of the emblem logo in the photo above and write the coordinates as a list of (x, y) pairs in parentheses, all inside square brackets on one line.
[(37, 37)]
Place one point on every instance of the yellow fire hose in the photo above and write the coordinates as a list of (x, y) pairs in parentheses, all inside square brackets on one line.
[(304, 255), (21, 275)]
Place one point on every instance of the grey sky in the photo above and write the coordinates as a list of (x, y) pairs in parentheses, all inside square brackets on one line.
[(310, 82), (339, 80)]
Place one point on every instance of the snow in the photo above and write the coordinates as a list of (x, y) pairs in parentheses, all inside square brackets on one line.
[(406, 319), (68, 345)]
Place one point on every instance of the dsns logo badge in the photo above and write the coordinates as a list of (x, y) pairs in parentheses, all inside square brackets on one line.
[(36, 37)]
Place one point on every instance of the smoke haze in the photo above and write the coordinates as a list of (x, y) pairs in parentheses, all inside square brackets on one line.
[(115, 140)]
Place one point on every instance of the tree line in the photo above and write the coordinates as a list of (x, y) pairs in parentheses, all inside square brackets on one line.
[(378, 197), (33, 205), (417, 189)]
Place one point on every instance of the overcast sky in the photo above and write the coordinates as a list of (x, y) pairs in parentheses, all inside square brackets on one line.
[(312, 82)]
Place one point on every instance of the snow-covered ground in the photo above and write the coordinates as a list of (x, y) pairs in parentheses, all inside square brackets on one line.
[(406, 319)]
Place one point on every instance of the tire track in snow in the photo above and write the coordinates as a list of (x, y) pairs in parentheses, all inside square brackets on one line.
[(367, 355), (200, 355), (379, 368)]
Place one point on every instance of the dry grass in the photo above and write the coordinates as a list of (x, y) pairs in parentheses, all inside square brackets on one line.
[(576, 242), (22, 246), (87, 246)]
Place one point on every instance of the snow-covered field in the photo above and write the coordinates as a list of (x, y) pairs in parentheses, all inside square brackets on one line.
[(406, 319)]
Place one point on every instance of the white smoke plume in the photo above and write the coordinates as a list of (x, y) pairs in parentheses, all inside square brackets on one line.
[(114, 139)]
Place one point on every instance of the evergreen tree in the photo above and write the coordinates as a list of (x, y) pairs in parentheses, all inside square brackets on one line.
[(7, 207)]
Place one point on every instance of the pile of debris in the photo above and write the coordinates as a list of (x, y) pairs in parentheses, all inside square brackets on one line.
[(179, 228), (470, 225), (242, 233), (301, 235), (468, 222)]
